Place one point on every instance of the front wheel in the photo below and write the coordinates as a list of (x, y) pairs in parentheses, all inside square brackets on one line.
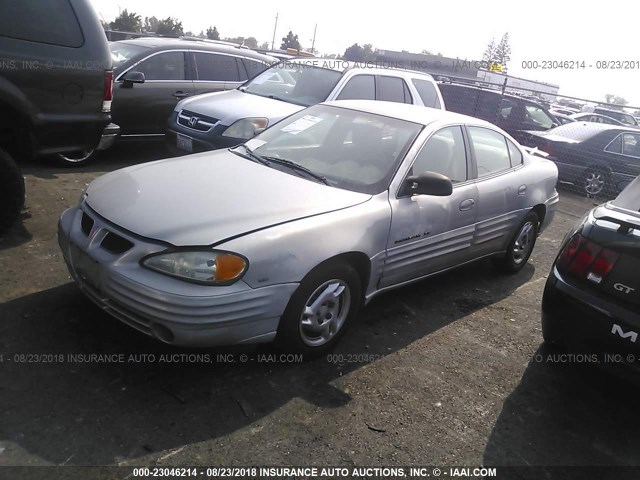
[(320, 310), (521, 245), (595, 181), (75, 159)]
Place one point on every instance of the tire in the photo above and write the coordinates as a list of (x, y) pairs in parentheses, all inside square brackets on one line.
[(75, 159), (594, 182), (316, 331), (521, 245), (11, 191)]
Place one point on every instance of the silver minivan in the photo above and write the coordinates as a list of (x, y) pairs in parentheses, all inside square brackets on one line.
[(226, 119)]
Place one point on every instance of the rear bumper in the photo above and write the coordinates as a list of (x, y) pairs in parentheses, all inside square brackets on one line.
[(109, 136), (575, 316)]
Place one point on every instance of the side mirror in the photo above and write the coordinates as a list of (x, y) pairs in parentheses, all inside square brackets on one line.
[(132, 77), (429, 183)]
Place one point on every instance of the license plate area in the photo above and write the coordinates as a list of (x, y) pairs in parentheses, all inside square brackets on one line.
[(86, 268), (184, 143)]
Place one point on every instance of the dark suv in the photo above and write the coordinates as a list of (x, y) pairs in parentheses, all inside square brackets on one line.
[(55, 88), (511, 113)]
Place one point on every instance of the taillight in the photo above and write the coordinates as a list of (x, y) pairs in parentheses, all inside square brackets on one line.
[(107, 96), (587, 260)]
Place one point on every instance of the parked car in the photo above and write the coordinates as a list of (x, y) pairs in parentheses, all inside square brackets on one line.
[(561, 117), (286, 236), (512, 113), (592, 295), (153, 73), (619, 115), (229, 118), (55, 89), (599, 158), (595, 117), (563, 110)]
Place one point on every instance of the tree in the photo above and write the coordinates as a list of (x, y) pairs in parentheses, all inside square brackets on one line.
[(264, 46), (426, 52), (290, 41), (609, 98), (503, 52), (127, 22), (169, 27), (212, 33), (150, 24), (356, 53), (489, 55), (238, 40)]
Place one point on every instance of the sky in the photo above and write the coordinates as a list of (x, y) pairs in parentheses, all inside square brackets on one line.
[(540, 31)]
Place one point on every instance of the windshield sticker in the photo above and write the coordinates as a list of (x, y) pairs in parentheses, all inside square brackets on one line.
[(301, 124)]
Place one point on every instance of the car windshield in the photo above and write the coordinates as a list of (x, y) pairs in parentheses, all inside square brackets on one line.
[(121, 52), (349, 149), (629, 198), (301, 83)]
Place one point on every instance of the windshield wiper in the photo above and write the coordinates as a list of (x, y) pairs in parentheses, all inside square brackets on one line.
[(298, 167), (249, 154)]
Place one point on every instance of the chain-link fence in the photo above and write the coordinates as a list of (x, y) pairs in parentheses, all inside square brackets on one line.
[(595, 145)]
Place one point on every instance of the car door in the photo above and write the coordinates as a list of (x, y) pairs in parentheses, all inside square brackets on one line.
[(501, 187), (143, 108), (430, 233), (623, 154), (215, 72)]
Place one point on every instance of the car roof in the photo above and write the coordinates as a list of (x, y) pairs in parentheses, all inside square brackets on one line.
[(158, 43), (407, 112)]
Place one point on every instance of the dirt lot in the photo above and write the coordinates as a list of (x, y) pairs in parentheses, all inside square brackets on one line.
[(443, 372)]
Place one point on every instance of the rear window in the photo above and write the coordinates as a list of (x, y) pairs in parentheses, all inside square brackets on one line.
[(44, 21), (629, 199)]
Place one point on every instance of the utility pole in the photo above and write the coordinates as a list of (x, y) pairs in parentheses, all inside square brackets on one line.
[(273, 41), (313, 42)]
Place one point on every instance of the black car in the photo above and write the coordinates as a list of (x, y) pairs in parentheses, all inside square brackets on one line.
[(596, 157), (511, 113), (592, 295), (55, 89)]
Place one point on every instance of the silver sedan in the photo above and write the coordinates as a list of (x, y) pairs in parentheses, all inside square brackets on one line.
[(287, 236)]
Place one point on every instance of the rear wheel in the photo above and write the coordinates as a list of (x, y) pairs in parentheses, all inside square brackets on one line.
[(521, 245), (11, 191), (320, 310)]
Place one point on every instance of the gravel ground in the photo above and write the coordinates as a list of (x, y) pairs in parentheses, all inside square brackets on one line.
[(439, 373)]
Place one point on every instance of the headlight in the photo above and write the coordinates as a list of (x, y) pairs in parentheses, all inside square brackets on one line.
[(246, 128), (207, 267)]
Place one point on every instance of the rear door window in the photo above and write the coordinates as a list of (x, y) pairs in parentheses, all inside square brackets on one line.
[(253, 67), (490, 149), (393, 89), (216, 68), (43, 21), (359, 87)]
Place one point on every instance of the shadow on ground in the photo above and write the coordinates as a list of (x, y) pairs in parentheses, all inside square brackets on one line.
[(569, 413), (100, 413)]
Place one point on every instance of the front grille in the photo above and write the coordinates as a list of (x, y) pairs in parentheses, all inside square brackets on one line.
[(195, 121), (115, 243), (86, 224)]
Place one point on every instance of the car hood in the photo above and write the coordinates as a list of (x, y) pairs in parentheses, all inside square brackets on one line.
[(233, 105), (205, 198)]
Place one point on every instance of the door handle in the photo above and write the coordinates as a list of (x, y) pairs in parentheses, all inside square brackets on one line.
[(180, 94), (522, 189), (467, 204)]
